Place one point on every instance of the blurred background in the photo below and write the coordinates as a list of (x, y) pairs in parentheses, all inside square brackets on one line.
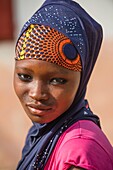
[(14, 123)]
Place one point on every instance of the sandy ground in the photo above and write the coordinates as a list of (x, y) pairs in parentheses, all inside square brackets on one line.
[(13, 121)]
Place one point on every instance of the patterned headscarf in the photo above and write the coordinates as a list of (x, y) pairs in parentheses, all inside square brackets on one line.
[(83, 37), (47, 44)]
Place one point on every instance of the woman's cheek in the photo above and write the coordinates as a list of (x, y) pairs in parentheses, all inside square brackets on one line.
[(19, 88)]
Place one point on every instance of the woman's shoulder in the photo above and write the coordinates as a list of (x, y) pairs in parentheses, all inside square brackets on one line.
[(86, 130), (84, 144)]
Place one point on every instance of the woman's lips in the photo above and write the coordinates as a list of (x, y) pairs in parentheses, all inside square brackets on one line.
[(39, 110)]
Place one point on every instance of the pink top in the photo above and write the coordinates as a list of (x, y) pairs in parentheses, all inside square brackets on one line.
[(82, 145)]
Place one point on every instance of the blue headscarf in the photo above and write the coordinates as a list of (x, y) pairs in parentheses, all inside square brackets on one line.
[(69, 18)]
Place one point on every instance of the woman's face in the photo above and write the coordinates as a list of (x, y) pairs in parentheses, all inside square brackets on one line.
[(45, 90)]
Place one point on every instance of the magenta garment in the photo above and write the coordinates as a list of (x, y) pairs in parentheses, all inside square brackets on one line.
[(82, 145)]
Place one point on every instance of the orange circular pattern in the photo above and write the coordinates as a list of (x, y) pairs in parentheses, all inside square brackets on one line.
[(45, 43)]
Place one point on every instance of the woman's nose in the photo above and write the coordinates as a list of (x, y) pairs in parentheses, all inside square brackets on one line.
[(38, 91)]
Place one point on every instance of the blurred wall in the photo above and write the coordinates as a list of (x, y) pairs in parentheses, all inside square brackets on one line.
[(6, 20), (14, 123)]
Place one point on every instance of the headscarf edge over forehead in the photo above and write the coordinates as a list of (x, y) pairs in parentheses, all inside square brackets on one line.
[(47, 44)]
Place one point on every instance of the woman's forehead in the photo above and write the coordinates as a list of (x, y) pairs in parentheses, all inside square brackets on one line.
[(34, 65)]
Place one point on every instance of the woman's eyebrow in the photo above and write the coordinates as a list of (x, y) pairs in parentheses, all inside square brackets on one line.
[(58, 71), (64, 71), (23, 68)]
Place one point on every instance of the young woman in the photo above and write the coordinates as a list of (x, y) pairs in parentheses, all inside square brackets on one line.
[(55, 55)]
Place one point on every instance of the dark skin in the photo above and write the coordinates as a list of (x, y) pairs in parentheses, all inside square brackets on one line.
[(45, 89)]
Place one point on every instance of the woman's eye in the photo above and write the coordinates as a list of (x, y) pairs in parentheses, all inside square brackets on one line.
[(57, 81), (25, 77)]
